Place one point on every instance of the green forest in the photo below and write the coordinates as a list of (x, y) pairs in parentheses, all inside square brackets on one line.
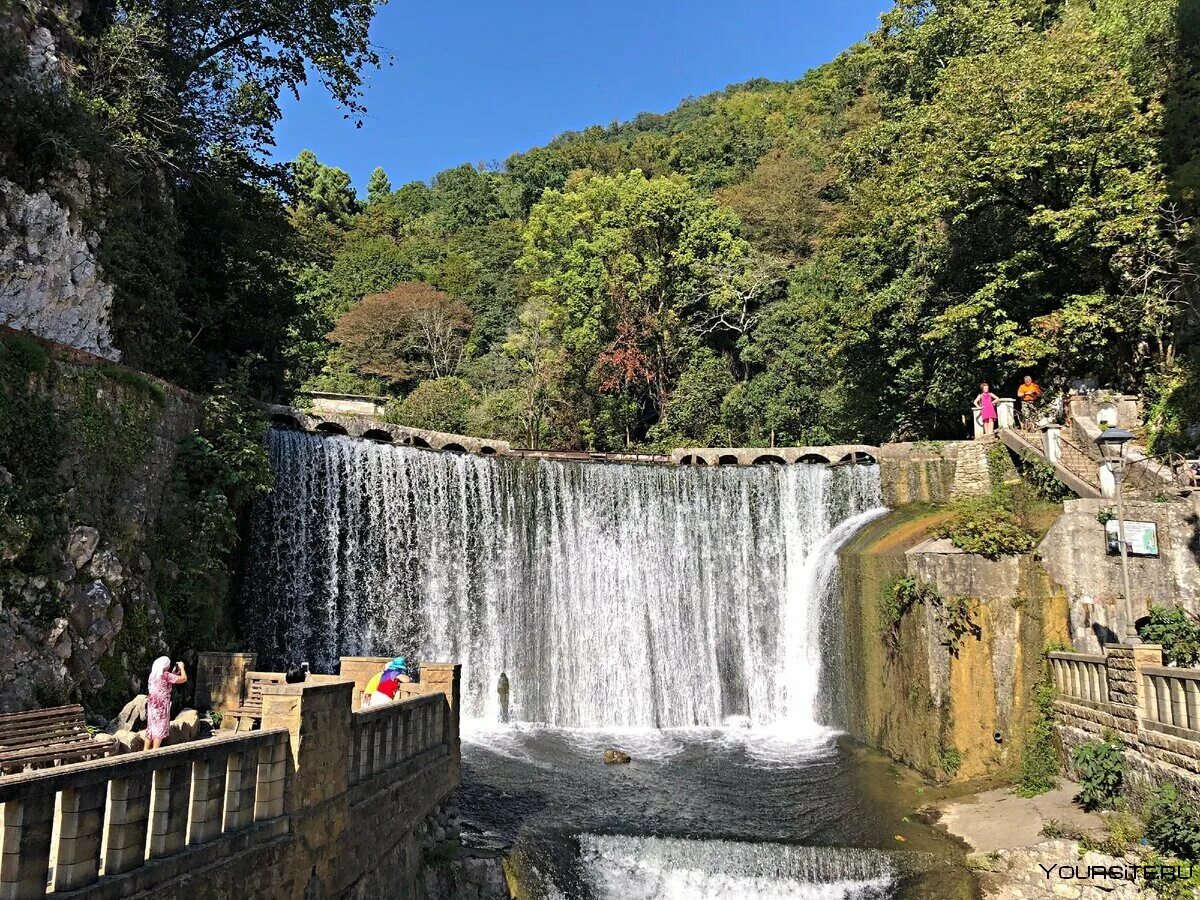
[(978, 190)]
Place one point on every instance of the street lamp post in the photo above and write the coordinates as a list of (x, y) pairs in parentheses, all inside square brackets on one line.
[(1112, 443)]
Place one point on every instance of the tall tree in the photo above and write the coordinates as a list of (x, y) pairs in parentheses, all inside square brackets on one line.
[(378, 186)]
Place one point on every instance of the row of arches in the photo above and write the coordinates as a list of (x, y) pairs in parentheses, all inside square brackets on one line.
[(382, 435), (772, 459)]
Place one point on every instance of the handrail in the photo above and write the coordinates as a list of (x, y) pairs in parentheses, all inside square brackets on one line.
[(1078, 462)]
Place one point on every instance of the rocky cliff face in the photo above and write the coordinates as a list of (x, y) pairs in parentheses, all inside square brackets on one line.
[(79, 619), (50, 279)]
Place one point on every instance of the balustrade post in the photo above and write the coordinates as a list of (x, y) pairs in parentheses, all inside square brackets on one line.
[(1147, 655), (169, 798), (406, 734), (241, 770), (81, 815), (1178, 704), (25, 829), (1150, 695), (1191, 692), (269, 781), (208, 798), (379, 755), (125, 823)]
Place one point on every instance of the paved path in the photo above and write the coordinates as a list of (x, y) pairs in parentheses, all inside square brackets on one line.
[(1000, 820)]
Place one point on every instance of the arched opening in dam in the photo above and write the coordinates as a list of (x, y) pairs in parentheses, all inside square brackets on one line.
[(688, 615)]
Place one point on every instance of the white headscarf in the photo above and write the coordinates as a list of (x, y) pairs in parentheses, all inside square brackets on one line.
[(160, 666)]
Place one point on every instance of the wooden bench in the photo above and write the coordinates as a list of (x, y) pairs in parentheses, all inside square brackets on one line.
[(47, 737), (249, 714)]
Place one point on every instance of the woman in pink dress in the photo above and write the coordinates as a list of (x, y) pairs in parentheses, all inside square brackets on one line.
[(158, 705), (986, 404)]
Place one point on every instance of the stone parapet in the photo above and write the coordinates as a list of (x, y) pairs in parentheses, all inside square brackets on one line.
[(322, 802), (1153, 710)]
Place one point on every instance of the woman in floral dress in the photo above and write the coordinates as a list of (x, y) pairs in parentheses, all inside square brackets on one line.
[(158, 706)]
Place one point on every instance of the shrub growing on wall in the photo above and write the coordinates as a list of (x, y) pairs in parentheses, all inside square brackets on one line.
[(1172, 825), (987, 527), (1177, 630), (1100, 766)]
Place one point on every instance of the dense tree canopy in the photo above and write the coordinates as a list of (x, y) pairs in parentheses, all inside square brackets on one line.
[(980, 189)]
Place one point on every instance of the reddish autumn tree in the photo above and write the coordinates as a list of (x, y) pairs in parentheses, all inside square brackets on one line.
[(412, 331)]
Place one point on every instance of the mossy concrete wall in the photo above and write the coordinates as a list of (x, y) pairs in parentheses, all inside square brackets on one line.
[(926, 704)]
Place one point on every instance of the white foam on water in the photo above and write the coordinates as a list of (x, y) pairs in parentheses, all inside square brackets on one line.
[(650, 868)]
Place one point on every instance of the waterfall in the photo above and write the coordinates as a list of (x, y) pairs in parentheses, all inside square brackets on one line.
[(611, 595)]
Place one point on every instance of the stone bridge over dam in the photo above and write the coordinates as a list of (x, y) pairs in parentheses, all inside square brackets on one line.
[(354, 424)]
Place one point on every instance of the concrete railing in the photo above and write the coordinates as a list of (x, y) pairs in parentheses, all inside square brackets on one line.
[(1081, 676), (322, 801), (386, 736), (1172, 696), (66, 828)]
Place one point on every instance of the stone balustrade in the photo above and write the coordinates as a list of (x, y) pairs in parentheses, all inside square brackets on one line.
[(1081, 676), (1127, 694), (66, 828), (1172, 697), (388, 735), (323, 801)]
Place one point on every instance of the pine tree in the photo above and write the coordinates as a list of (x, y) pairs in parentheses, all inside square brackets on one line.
[(378, 186)]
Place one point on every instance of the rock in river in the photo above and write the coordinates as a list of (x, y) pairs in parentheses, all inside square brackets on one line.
[(615, 758)]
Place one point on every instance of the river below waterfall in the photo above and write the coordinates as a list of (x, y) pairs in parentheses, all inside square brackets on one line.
[(720, 814), (688, 616)]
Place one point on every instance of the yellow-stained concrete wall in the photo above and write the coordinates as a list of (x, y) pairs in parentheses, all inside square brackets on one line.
[(908, 694)]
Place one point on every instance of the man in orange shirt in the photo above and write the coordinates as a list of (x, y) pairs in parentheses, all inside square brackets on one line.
[(1029, 392)]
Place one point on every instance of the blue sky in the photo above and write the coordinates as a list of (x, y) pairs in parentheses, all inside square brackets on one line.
[(475, 82)]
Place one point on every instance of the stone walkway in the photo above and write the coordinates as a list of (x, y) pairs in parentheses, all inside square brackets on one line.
[(1000, 820), (1012, 856)]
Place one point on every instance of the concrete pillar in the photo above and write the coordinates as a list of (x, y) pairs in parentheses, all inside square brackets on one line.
[(80, 819), (205, 819), (125, 823), (1004, 413), (313, 775), (25, 829), (169, 801), (1146, 655), (240, 771), (1108, 481), (220, 679), (445, 678), (270, 781), (1052, 442), (1123, 683)]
